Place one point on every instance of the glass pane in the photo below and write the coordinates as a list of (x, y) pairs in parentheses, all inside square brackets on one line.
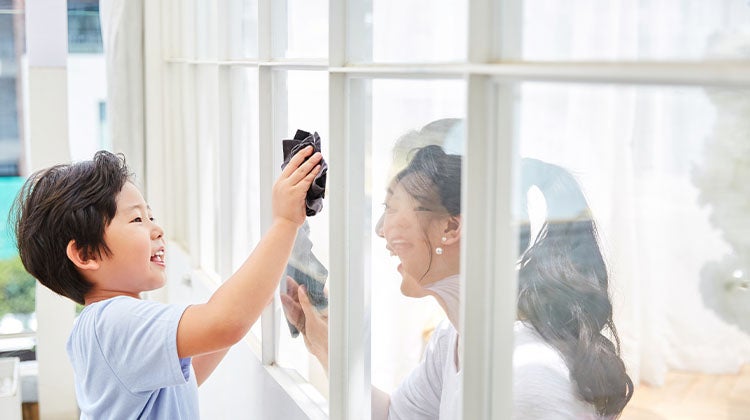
[(207, 120), (663, 173), (635, 30), (12, 49), (243, 28), (87, 82), (412, 31), (245, 163), (408, 221), (175, 220), (307, 29), (84, 29), (301, 103), (205, 30)]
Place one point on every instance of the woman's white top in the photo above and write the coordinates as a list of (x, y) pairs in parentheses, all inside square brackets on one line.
[(542, 388)]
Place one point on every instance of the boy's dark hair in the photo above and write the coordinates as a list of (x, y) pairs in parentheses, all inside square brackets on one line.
[(64, 203)]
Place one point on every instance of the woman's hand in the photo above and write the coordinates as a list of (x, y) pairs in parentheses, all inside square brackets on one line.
[(289, 191), (312, 324)]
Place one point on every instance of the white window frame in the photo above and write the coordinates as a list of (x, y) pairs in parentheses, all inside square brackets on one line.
[(491, 67)]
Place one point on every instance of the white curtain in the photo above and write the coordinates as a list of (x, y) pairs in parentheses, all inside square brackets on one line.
[(663, 169), (122, 34)]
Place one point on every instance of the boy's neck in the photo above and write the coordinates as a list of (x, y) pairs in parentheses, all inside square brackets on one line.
[(98, 296)]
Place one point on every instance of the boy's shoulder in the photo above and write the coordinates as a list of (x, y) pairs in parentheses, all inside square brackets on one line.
[(107, 315), (121, 322)]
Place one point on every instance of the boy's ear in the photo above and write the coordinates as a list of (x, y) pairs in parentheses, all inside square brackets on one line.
[(452, 232), (77, 256)]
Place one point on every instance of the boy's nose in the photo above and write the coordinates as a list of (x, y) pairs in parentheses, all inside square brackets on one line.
[(157, 232)]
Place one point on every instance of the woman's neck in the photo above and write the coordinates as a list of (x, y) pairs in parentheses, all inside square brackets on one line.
[(447, 292)]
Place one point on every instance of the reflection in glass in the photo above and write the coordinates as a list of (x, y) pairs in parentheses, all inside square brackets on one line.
[(406, 114), (665, 190)]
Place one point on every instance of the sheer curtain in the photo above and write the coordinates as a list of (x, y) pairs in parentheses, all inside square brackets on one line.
[(122, 34), (665, 170)]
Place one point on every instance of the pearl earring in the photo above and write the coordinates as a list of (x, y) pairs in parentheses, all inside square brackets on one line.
[(439, 250)]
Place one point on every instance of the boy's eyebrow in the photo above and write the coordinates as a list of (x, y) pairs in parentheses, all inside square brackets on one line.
[(137, 206)]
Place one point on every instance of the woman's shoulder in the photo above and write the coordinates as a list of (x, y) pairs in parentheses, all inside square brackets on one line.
[(532, 351), (443, 335), (542, 387)]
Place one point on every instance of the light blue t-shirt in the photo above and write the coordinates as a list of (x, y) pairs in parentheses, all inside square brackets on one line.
[(124, 356)]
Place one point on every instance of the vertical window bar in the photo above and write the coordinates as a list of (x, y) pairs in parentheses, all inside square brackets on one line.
[(349, 334), (505, 233), (265, 149), (508, 36), (225, 150), (487, 265), (265, 31), (189, 130), (226, 182), (349, 364)]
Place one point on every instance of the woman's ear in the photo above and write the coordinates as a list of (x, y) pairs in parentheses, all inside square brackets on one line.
[(80, 258), (452, 232)]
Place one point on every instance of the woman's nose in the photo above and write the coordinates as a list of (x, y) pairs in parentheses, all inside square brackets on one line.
[(379, 226)]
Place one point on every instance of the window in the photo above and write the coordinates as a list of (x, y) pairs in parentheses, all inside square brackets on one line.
[(641, 102), (401, 108)]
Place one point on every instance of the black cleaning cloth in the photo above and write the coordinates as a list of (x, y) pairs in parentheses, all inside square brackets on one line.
[(303, 266), (302, 139)]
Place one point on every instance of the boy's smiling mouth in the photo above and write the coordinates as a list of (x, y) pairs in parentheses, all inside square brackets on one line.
[(158, 256)]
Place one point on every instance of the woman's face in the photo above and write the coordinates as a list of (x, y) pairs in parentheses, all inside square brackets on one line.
[(406, 228)]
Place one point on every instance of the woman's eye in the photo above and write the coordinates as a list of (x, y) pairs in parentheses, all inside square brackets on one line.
[(152, 218), (137, 220)]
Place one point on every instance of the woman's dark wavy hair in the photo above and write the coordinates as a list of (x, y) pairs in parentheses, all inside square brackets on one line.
[(562, 280), (64, 203), (563, 289), (433, 178)]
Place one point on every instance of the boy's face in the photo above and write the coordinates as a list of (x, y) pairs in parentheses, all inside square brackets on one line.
[(136, 262)]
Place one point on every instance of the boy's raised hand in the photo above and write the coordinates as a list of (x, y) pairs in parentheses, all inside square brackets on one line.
[(288, 195)]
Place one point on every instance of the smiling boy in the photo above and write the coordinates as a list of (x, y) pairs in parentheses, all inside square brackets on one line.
[(85, 232)]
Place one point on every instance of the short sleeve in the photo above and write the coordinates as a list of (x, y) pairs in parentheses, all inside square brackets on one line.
[(418, 397), (138, 340)]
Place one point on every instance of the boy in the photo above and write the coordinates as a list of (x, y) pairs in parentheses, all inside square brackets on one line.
[(85, 231)]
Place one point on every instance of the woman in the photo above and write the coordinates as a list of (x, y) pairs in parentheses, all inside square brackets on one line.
[(564, 367)]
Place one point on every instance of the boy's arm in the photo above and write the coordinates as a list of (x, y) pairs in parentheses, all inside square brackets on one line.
[(238, 303), (205, 364)]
